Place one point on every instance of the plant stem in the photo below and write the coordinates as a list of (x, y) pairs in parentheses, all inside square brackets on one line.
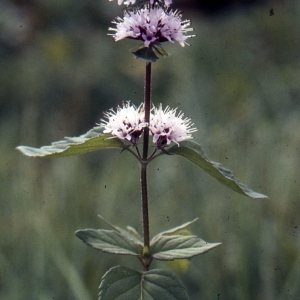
[(145, 210), (147, 107), (144, 163)]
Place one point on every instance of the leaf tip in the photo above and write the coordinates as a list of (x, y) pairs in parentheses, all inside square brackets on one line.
[(256, 196), (80, 234), (20, 148)]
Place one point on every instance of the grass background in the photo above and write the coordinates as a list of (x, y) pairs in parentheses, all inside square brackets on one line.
[(239, 82)]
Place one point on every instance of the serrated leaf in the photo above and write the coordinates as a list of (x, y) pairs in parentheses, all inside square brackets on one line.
[(91, 141), (193, 152), (121, 283), (179, 264), (109, 241), (170, 247), (129, 232), (134, 233)]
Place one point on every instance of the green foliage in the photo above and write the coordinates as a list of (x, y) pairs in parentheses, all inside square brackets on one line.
[(149, 53), (178, 247), (109, 241), (146, 54), (95, 140), (177, 229), (91, 141), (194, 153), (129, 232), (167, 245), (123, 283), (176, 244), (239, 82)]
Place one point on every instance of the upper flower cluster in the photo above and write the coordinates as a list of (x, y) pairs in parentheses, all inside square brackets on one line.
[(152, 25), (165, 127), (129, 2)]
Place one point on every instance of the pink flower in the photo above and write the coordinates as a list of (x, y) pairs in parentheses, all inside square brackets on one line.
[(126, 123), (128, 2), (166, 127), (152, 25)]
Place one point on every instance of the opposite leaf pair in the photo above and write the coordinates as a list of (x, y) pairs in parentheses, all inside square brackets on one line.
[(95, 140), (167, 245), (155, 284)]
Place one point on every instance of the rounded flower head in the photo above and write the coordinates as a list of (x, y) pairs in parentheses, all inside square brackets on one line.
[(166, 127), (152, 25), (126, 2), (126, 123), (129, 2)]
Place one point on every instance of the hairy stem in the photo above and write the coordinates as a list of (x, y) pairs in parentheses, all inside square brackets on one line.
[(145, 210), (147, 107), (144, 189)]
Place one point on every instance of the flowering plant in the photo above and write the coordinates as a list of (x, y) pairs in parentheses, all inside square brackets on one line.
[(152, 24), (171, 133)]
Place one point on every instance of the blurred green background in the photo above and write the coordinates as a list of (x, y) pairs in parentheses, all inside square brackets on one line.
[(239, 82)]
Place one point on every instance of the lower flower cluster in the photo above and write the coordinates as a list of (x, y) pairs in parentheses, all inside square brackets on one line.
[(128, 123)]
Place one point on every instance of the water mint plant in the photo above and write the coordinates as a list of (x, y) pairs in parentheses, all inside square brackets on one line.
[(146, 130)]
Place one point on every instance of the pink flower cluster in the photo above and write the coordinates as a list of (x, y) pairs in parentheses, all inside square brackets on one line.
[(152, 25), (128, 123), (129, 2)]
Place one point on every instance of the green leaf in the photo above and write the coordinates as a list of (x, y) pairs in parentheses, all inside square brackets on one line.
[(160, 50), (110, 241), (121, 283), (176, 229), (129, 232), (146, 54), (91, 141), (170, 247), (193, 152)]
